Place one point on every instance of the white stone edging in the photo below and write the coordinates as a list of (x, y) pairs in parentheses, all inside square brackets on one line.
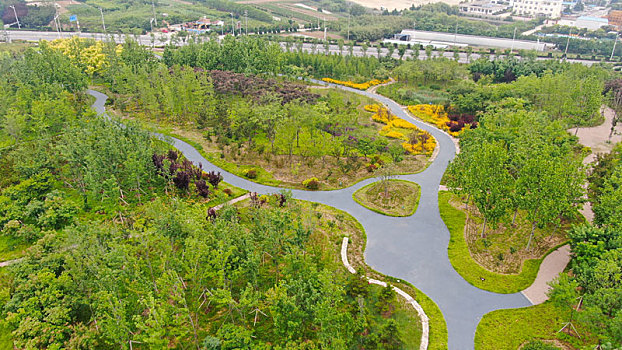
[(425, 321)]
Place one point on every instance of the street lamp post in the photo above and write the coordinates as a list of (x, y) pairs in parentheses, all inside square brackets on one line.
[(232, 24), (17, 19), (104, 23), (567, 43), (614, 48), (56, 21)]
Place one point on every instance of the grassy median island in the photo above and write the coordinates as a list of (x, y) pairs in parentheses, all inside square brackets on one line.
[(509, 329), (390, 197), (498, 263)]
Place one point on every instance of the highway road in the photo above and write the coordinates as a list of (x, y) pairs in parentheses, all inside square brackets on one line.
[(162, 39)]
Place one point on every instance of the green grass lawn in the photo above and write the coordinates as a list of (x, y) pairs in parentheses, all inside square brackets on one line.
[(412, 95), (11, 248), (402, 200), (468, 268), (509, 329)]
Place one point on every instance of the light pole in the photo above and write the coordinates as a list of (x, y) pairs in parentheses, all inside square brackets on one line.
[(567, 42), (246, 20), (513, 37), (154, 13), (232, 23), (17, 19), (348, 26), (56, 21), (104, 23), (614, 48)]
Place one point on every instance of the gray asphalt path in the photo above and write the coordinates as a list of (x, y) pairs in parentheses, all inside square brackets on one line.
[(410, 248)]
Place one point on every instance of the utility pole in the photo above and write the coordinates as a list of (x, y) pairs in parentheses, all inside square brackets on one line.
[(17, 19), (513, 38), (232, 23), (104, 23), (455, 33), (567, 42), (614, 48)]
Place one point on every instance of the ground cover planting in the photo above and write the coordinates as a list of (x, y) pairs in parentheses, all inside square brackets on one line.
[(407, 94), (390, 197), (361, 86), (498, 263), (509, 329)]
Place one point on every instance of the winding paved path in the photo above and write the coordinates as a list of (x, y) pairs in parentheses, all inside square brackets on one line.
[(411, 248)]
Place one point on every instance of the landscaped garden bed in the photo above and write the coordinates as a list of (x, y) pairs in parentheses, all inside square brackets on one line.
[(498, 263), (390, 197)]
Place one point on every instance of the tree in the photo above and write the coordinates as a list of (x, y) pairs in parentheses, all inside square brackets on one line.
[(564, 294)]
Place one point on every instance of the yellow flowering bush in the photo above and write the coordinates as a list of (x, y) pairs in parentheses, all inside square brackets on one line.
[(425, 144), (372, 108), (395, 135), (361, 86), (85, 53), (435, 115), (401, 123)]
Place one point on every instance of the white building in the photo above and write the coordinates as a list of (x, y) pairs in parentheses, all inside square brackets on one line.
[(482, 8), (534, 8)]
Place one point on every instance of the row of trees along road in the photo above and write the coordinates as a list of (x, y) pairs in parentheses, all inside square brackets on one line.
[(518, 160)]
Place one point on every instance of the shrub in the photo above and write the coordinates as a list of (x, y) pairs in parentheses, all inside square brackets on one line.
[(371, 167), (214, 178), (202, 188), (312, 183), (395, 135), (228, 192), (251, 173), (361, 86), (538, 345), (182, 180)]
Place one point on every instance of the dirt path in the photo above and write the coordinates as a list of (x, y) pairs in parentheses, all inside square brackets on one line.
[(10, 262), (551, 267), (597, 138)]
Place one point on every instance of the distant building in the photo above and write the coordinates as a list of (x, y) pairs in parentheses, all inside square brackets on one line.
[(202, 25), (445, 40), (615, 18), (538, 8), (587, 22), (483, 8)]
